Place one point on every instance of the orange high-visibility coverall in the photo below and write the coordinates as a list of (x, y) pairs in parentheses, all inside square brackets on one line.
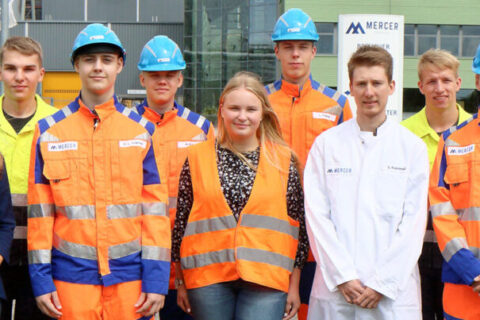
[(455, 206), (304, 113), (97, 214), (175, 130)]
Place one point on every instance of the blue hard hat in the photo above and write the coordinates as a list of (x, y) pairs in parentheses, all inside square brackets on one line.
[(161, 54), (294, 25), (96, 34), (476, 62)]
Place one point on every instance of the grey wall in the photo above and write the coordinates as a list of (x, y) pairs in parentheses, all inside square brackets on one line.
[(57, 38), (161, 11)]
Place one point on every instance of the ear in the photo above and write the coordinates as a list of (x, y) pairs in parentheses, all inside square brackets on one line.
[(75, 65), (120, 65), (180, 79), (276, 49), (420, 86), (392, 87), (477, 81), (142, 79), (458, 83), (42, 74)]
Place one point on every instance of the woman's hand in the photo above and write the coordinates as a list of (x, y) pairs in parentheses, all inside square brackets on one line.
[(293, 296)]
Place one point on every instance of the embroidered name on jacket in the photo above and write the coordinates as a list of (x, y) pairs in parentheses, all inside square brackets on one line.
[(185, 144), (339, 170), (132, 143), (62, 146), (324, 115), (460, 150), (396, 168)]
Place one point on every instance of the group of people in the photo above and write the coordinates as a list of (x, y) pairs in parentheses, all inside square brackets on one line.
[(105, 197)]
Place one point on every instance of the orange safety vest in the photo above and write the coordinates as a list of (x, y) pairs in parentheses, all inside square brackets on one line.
[(175, 130), (259, 248), (455, 206), (305, 112), (97, 213)]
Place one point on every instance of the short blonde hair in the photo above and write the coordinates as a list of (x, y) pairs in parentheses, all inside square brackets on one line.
[(439, 58), (24, 45)]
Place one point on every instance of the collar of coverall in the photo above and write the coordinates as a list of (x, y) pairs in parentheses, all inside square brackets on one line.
[(295, 90)]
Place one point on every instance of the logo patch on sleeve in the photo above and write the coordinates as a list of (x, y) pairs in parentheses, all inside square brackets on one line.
[(62, 146), (458, 151), (132, 143), (324, 115)]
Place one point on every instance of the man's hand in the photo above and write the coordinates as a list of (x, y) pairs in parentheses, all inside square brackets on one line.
[(476, 284), (182, 299), (369, 299), (50, 304), (351, 290), (149, 303)]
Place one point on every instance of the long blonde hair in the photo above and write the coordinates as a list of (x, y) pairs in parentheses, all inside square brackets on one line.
[(268, 132)]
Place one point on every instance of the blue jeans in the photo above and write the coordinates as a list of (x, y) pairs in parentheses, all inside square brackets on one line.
[(237, 300)]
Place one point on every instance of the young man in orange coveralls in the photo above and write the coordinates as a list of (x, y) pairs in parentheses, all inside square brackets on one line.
[(304, 107), (454, 203), (98, 227), (177, 127)]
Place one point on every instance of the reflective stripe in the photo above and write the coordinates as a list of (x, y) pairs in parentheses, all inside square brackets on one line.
[(209, 225), (155, 209), (121, 211), (144, 136), (270, 223), (185, 113), (200, 121), (48, 137), (156, 253), (476, 251), (77, 212), (143, 122), (430, 236), (40, 210), (124, 249), (19, 200), (449, 142), (205, 259), (66, 111), (453, 246), (336, 110), (470, 214), (172, 202), (442, 208), (263, 256), (74, 249), (39, 256), (20, 232)]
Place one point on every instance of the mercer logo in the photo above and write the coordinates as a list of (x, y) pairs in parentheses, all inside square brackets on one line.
[(355, 28)]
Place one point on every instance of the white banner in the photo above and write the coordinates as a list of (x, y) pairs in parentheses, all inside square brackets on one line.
[(386, 31)]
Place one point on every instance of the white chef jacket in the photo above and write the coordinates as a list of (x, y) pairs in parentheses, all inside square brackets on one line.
[(366, 213)]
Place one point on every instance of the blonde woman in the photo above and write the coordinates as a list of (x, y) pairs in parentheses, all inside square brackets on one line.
[(7, 223), (239, 239)]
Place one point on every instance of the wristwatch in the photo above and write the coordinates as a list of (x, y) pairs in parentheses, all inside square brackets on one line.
[(178, 283)]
